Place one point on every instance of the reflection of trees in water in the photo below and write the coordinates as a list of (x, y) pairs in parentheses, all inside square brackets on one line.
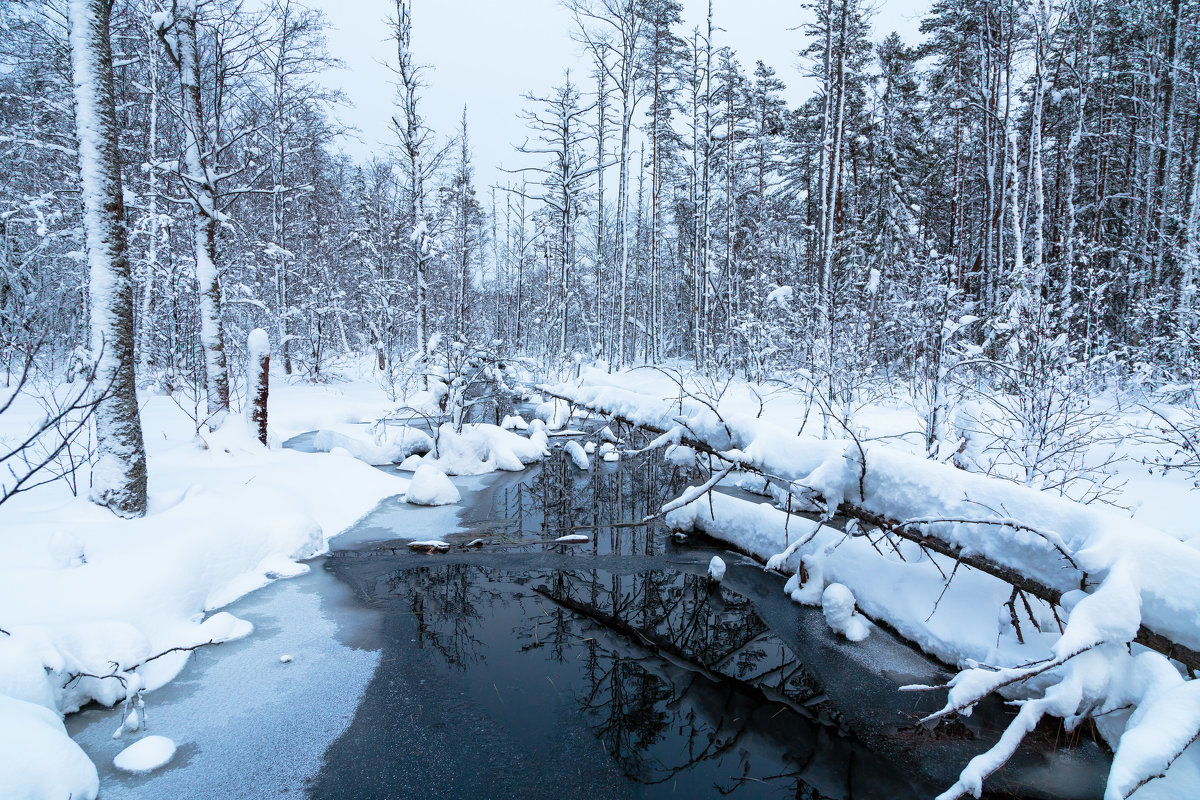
[(691, 679), (448, 602), (561, 496), (677, 612), (745, 679)]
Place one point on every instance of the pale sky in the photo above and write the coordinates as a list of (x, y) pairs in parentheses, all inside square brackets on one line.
[(488, 53)]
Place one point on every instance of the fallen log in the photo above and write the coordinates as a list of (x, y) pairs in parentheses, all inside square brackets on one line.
[(1146, 637)]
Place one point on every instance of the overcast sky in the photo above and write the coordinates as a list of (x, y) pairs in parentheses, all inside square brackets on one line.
[(487, 53)]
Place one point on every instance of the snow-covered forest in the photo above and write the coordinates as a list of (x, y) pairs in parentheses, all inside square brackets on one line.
[(949, 299)]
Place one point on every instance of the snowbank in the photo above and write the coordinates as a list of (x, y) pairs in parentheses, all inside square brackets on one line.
[(377, 445), (37, 758), (82, 591)]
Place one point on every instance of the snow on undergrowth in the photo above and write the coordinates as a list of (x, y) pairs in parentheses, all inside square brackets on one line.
[(1113, 577), (87, 600)]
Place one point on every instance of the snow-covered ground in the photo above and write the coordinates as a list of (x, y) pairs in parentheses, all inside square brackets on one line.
[(85, 593), (86, 599)]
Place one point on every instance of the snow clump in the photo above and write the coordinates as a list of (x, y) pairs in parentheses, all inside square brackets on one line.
[(716, 569), (431, 487), (145, 755), (577, 455), (838, 605)]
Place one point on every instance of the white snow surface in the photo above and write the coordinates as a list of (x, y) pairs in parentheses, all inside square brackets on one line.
[(37, 758), (716, 569), (577, 455), (82, 590), (431, 487), (145, 755)]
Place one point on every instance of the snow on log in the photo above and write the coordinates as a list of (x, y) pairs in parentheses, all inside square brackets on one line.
[(1115, 580), (949, 507)]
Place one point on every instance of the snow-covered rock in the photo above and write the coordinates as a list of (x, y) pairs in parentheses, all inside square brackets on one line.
[(431, 487), (837, 603), (577, 455), (514, 422), (716, 569), (145, 755)]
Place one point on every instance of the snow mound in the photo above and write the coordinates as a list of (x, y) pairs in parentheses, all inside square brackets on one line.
[(145, 755), (837, 603), (481, 448), (578, 456), (514, 422), (431, 487), (716, 569), (410, 464), (573, 538), (377, 445), (37, 758), (555, 413)]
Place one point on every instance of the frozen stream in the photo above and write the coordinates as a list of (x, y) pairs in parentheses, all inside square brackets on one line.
[(528, 669)]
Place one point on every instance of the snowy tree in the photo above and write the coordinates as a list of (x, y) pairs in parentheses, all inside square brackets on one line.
[(119, 472), (179, 35)]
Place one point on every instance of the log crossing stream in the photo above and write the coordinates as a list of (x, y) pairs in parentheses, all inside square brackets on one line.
[(612, 668)]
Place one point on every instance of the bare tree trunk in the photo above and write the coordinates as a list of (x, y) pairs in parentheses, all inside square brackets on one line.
[(258, 376), (200, 186), (1038, 267), (601, 246), (146, 326), (119, 472)]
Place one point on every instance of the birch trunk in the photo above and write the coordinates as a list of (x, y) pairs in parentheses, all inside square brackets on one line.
[(200, 186), (119, 470)]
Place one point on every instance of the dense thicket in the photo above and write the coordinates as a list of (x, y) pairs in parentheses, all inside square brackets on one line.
[(1020, 190)]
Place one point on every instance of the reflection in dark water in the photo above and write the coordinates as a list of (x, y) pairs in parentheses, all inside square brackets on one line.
[(612, 669), (681, 689), (605, 502)]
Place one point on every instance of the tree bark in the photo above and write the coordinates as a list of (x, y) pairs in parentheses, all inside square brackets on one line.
[(201, 188), (258, 371), (119, 471)]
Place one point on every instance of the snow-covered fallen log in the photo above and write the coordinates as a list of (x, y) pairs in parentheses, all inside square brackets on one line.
[(1112, 581), (1055, 548)]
